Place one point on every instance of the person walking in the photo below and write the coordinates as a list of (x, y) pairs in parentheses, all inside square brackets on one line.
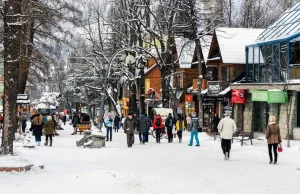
[(157, 126), (149, 124), (274, 138), (188, 122), (49, 131), (24, 124), (226, 127), (37, 125), (142, 126), (129, 129), (194, 130), (215, 123), (170, 122), (179, 128), (117, 121), (109, 122), (64, 119), (75, 122)]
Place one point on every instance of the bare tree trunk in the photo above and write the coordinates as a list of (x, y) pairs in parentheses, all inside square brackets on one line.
[(12, 26), (198, 50)]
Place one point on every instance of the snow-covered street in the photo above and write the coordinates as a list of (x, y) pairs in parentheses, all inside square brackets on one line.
[(155, 168)]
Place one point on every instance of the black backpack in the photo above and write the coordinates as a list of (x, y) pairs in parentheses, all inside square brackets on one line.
[(157, 123)]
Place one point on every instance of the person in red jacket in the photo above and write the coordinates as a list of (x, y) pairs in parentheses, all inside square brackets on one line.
[(157, 126)]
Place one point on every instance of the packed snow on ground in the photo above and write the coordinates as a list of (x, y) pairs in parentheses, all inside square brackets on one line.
[(154, 168)]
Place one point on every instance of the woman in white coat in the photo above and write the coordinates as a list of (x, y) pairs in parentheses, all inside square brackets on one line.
[(226, 128)]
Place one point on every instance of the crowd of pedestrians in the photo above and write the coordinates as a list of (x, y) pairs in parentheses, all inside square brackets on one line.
[(225, 127)]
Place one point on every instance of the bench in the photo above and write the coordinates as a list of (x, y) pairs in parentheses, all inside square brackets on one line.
[(83, 127), (243, 136)]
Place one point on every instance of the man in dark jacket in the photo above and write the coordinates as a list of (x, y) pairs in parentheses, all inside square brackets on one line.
[(64, 119), (117, 121), (129, 128), (149, 124), (157, 126), (142, 127), (170, 122)]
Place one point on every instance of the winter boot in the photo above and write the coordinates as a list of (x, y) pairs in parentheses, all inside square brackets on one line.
[(46, 143), (51, 141), (38, 143), (179, 140)]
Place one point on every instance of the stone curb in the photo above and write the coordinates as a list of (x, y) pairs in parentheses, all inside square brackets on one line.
[(18, 169)]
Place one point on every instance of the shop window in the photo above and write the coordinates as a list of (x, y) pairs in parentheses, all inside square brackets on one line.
[(180, 80)]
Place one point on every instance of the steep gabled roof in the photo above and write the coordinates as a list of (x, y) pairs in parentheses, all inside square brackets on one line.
[(232, 42)]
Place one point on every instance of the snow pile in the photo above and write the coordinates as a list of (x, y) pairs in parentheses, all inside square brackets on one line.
[(13, 161)]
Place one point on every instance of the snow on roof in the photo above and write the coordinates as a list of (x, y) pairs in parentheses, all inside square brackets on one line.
[(232, 42), (41, 106), (22, 97), (23, 101), (148, 70), (225, 91), (287, 25)]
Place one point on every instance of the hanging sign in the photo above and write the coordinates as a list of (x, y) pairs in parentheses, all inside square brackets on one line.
[(259, 96), (238, 96), (276, 96), (188, 98)]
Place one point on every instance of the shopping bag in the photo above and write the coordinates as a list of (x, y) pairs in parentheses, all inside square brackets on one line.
[(280, 148)]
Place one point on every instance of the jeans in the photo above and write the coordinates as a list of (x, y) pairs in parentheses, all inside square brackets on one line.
[(142, 136), (38, 138), (116, 127), (170, 134), (108, 131), (49, 136), (146, 136), (194, 134), (274, 150), (226, 146), (130, 140), (179, 133), (158, 132)]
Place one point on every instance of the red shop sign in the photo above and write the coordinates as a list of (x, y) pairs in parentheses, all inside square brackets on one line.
[(188, 98), (238, 96)]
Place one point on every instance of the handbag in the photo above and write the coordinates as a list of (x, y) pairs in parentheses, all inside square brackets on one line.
[(280, 148), (174, 131)]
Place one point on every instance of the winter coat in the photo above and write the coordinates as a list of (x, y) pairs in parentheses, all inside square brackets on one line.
[(227, 127), (64, 118), (215, 123), (49, 128), (131, 125), (24, 123), (154, 122), (109, 122), (142, 124), (179, 126), (170, 122), (149, 123), (117, 120), (75, 121), (194, 124), (273, 134), (37, 125)]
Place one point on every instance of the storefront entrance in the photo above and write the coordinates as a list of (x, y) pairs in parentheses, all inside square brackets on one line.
[(260, 116)]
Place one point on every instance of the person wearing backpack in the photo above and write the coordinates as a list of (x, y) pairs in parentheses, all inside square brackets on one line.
[(194, 130), (170, 122), (157, 126)]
